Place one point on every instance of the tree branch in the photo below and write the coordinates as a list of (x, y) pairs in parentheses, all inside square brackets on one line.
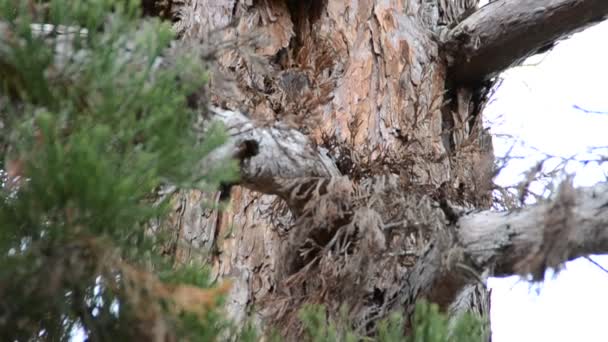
[(505, 32), (276, 160), (544, 236), (522, 242)]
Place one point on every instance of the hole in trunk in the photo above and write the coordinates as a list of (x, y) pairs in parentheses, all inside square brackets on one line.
[(305, 12)]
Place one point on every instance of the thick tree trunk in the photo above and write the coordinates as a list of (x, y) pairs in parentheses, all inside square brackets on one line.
[(374, 136), (367, 81)]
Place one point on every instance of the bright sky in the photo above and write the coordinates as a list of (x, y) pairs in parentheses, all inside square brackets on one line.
[(535, 105)]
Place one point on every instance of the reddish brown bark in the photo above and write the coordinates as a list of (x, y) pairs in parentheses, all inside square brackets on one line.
[(368, 83)]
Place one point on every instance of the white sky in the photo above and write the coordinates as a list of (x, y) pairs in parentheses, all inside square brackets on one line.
[(535, 104)]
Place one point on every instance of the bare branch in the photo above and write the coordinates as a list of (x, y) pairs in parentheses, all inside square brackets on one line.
[(274, 160), (597, 264), (546, 235), (505, 32), (589, 111), (524, 241)]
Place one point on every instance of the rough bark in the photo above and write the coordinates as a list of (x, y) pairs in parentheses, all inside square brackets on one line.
[(504, 33), (276, 160), (524, 242), (527, 242), (358, 145), (380, 73)]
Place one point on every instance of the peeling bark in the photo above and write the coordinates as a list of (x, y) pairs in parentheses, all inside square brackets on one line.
[(385, 79), (359, 142)]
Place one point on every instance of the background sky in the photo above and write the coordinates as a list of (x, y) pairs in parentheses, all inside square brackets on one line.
[(536, 105)]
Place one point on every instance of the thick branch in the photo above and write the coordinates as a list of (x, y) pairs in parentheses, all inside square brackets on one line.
[(276, 160), (505, 32), (524, 242), (530, 240)]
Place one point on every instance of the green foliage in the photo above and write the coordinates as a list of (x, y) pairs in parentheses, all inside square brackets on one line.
[(428, 325), (91, 127), (318, 329)]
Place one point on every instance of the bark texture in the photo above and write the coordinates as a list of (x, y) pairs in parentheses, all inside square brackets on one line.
[(504, 33), (527, 242), (361, 151)]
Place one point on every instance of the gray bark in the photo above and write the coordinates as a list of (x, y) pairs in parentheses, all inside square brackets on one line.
[(528, 241), (504, 33), (276, 160)]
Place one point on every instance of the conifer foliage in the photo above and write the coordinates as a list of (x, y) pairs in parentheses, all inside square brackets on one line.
[(427, 325), (92, 126)]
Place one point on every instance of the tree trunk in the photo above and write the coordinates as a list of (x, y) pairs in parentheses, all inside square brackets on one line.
[(366, 214)]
